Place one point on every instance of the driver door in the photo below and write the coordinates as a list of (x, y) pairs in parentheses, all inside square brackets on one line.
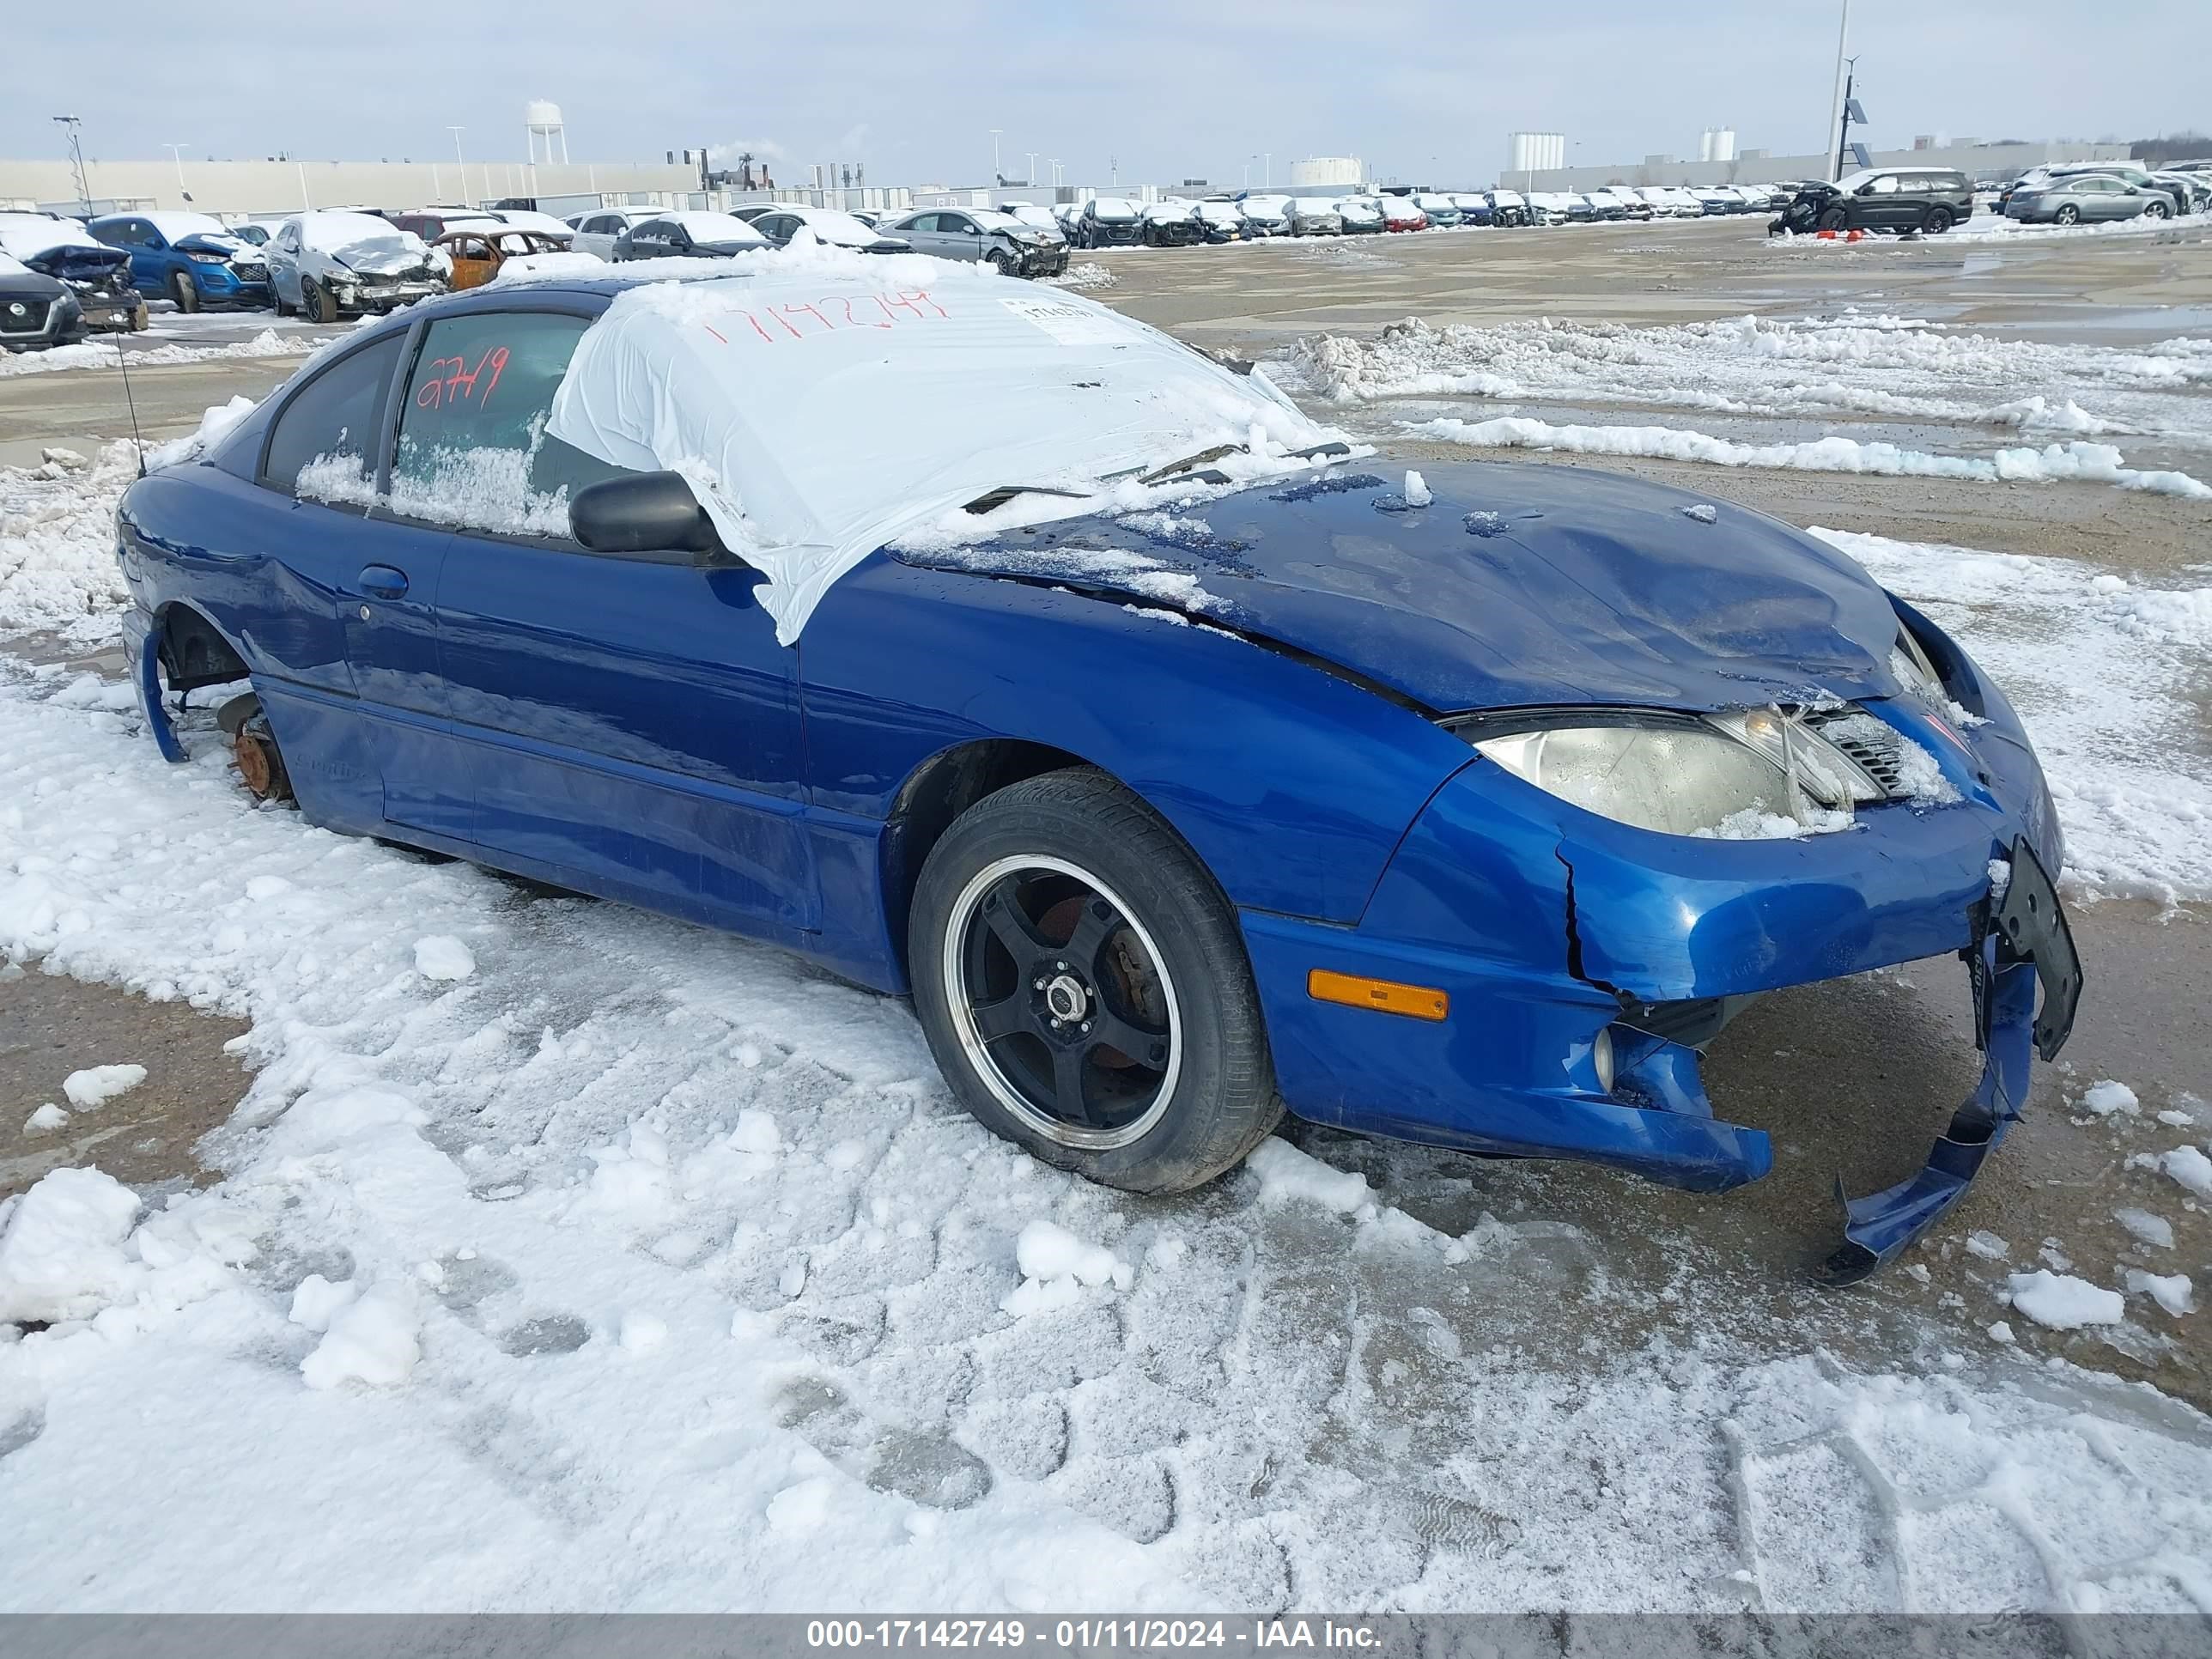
[(627, 724)]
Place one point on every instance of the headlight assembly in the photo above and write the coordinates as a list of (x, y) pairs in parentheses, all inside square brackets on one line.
[(1760, 772)]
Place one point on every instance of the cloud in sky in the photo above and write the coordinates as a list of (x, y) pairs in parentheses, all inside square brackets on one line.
[(1423, 90)]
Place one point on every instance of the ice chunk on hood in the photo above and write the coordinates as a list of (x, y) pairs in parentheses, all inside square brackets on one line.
[(822, 401)]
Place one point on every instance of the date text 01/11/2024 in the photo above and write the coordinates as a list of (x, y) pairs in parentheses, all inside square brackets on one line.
[(1084, 1635)]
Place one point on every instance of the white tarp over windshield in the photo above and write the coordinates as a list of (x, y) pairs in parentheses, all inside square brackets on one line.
[(822, 404)]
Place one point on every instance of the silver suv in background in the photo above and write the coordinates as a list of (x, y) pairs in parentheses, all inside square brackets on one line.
[(985, 236), (596, 230)]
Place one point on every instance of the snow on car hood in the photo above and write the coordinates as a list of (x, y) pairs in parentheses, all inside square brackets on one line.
[(362, 242), (821, 402), (1514, 586)]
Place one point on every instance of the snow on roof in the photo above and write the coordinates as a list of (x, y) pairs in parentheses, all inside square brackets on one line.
[(822, 401), (1113, 207), (704, 226), (544, 223), (173, 225), (833, 225), (27, 235)]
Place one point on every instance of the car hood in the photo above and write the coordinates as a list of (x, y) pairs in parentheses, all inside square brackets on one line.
[(1517, 585), (205, 242), (74, 262)]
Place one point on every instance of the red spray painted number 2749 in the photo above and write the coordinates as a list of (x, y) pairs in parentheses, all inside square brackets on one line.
[(451, 380)]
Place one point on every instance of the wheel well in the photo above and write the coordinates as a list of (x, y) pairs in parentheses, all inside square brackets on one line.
[(193, 653), (941, 789)]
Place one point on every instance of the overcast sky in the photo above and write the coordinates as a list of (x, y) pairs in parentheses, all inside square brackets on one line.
[(1424, 90)]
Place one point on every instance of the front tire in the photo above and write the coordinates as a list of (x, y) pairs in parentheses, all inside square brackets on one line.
[(1000, 263), (315, 301), (2157, 211), (1065, 899), (184, 291), (1834, 218)]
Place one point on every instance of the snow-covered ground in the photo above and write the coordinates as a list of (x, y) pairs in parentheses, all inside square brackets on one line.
[(101, 352), (1853, 366), (570, 1257)]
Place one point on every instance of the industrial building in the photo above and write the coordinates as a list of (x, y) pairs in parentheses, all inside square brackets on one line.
[(238, 190)]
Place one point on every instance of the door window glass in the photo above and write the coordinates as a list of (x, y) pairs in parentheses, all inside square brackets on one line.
[(473, 448), (1885, 186), (324, 443)]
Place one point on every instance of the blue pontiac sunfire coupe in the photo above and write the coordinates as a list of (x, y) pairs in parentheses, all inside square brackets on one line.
[(994, 649)]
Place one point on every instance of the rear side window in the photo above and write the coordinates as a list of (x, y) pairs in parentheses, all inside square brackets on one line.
[(331, 423), (473, 448)]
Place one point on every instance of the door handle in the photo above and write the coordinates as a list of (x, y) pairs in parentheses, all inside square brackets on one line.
[(382, 581)]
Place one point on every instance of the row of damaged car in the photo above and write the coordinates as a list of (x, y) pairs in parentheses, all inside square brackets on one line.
[(1120, 221), (64, 277)]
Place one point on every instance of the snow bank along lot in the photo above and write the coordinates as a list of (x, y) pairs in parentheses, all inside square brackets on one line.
[(568, 1257)]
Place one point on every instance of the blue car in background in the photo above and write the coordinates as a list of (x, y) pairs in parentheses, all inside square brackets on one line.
[(1179, 766), (188, 258)]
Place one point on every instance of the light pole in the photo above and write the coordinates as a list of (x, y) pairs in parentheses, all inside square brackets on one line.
[(1836, 87), (177, 156), (1268, 172), (994, 156), (1032, 155), (460, 158), (1054, 165)]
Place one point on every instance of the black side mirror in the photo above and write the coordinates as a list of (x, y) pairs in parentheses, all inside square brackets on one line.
[(644, 513)]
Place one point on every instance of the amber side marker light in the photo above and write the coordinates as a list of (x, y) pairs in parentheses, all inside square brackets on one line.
[(1383, 996)]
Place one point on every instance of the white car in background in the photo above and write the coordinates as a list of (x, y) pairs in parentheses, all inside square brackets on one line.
[(328, 264), (544, 223), (1267, 214), (596, 229), (1043, 220)]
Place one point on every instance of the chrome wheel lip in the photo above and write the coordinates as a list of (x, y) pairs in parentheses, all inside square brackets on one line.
[(952, 969)]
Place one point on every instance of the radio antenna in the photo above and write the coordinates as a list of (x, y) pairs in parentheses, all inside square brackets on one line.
[(122, 367)]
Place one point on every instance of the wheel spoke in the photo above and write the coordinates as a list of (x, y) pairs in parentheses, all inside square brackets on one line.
[(1067, 1069), (1109, 1031), (1002, 914), (1096, 921), (1006, 1016)]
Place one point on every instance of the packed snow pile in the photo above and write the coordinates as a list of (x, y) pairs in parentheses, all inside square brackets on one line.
[(95, 1086), (103, 354), (1856, 364), (57, 570), (2137, 811), (2054, 463), (2063, 1301)]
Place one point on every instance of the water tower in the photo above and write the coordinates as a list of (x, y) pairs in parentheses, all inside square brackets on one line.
[(543, 117)]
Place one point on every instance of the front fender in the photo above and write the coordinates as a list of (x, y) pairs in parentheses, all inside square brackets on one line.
[(1293, 785)]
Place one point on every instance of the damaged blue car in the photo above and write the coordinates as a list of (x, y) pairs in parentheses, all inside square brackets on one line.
[(1183, 768)]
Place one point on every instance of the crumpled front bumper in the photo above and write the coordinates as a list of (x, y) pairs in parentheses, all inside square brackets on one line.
[(1548, 926)]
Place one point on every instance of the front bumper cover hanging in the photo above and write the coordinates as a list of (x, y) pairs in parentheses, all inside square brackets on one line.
[(2024, 945)]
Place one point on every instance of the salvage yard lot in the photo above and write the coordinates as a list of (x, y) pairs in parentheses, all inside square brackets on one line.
[(700, 1259)]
